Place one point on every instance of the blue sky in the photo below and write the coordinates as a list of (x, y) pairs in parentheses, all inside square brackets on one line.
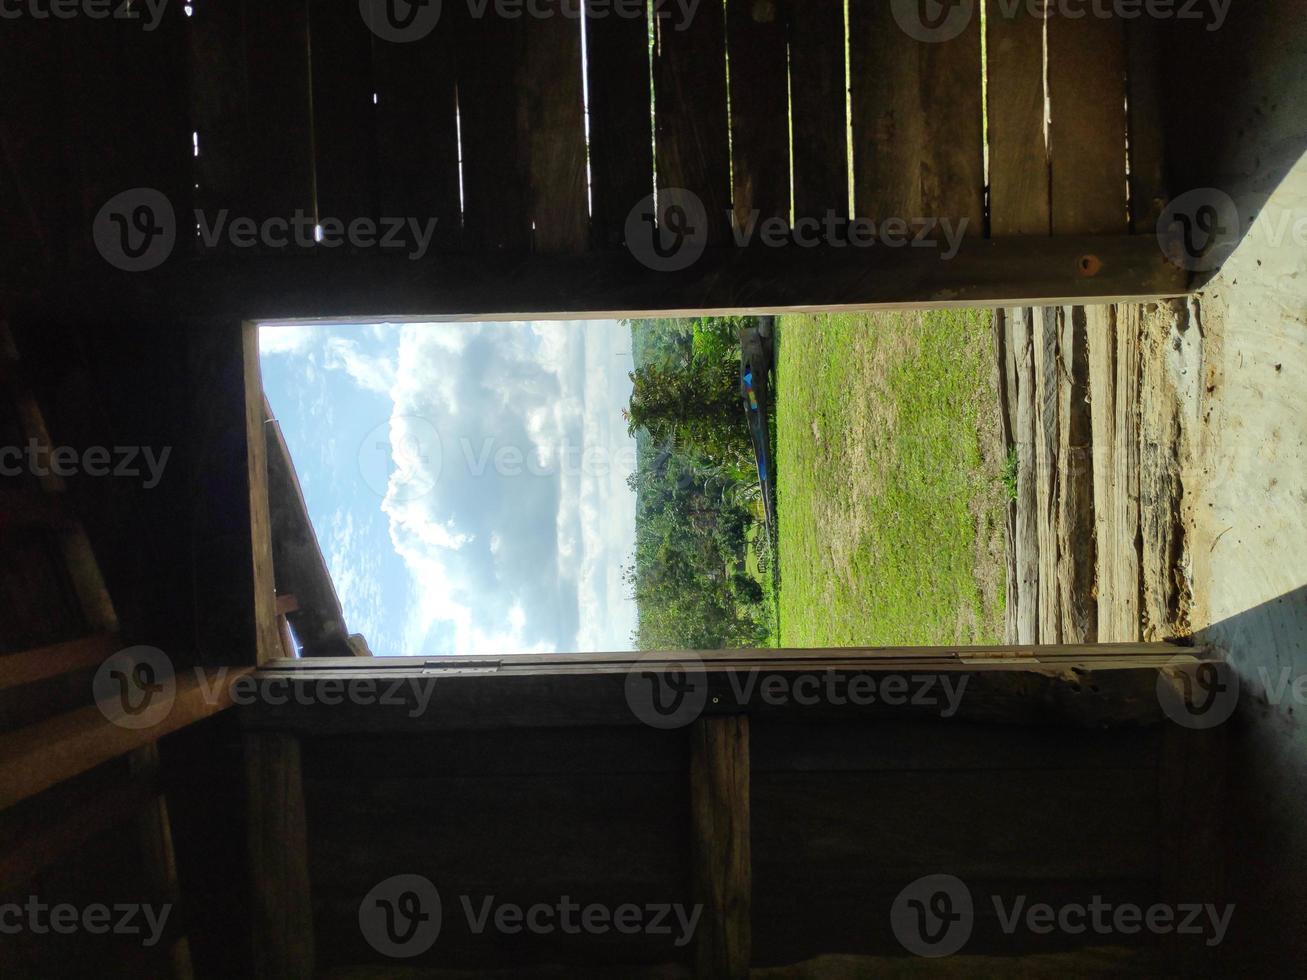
[(467, 481)]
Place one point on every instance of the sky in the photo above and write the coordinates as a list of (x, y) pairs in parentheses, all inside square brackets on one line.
[(466, 481)]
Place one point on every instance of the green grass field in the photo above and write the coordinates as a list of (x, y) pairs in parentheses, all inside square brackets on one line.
[(890, 480)]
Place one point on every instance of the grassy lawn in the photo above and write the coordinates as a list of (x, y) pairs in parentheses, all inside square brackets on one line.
[(890, 480)]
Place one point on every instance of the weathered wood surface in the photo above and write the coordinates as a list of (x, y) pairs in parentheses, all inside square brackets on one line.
[(692, 141), (282, 909), (262, 571), (727, 280), (44, 662), (1087, 138), (344, 117), (621, 141), (760, 137), (719, 846), (913, 154), (1018, 150), (154, 830), (551, 121), (1047, 381), (1027, 524), (1113, 392), (1144, 54), (819, 102), (41, 755), (1075, 498), (1005, 372)]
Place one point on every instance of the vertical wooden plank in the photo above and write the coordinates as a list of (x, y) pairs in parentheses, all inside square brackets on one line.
[(621, 120), (819, 93), (719, 804), (1075, 496), (1027, 542), (690, 109), (1046, 469), (282, 911), (917, 127), (496, 195), (344, 117), (1018, 153), (268, 635), (1006, 383), (551, 121), (1100, 335), (417, 131), (1127, 584), (155, 831), (219, 100), (1086, 88), (1146, 125), (760, 144), (278, 115)]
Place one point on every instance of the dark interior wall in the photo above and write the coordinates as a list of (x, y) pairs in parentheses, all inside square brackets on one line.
[(844, 816)]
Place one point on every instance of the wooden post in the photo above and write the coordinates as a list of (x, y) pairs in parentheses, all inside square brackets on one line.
[(281, 911), (719, 807)]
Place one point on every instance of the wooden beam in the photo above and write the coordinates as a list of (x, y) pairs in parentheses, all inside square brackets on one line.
[(30, 666), (1004, 272), (282, 909), (760, 144), (1046, 388), (719, 846), (41, 755), (1018, 150), (267, 635), (1026, 523), (819, 104)]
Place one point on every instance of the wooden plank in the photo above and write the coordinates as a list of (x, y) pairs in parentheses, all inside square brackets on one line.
[(720, 837), (1018, 151), (609, 284), (1114, 366), (1075, 482), (1046, 469), (1027, 539), (298, 564), (282, 909), (819, 105), (621, 125), (263, 573), (1148, 181), (1086, 89), (760, 108), (692, 142), (417, 131), (41, 755), (154, 829), (917, 127), (30, 666), (278, 115), (1005, 374), (41, 833), (496, 191), (551, 120), (344, 117), (219, 98), (1126, 584)]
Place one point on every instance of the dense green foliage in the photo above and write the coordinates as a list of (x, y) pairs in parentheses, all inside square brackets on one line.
[(696, 489)]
